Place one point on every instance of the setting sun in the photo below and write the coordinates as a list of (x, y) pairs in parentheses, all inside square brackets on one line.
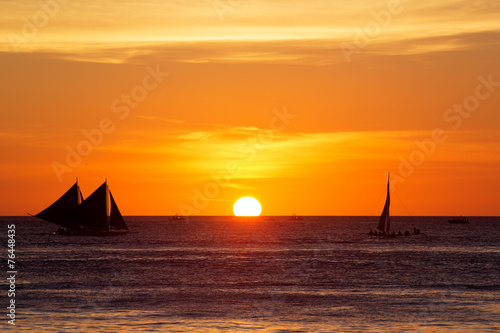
[(247, 206)]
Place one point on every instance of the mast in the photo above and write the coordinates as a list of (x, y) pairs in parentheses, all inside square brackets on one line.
[(80, 196)]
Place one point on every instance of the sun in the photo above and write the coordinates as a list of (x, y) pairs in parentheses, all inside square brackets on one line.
[(247, 206)]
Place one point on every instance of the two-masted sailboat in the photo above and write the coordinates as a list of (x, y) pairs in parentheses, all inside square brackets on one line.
[(77, 216)]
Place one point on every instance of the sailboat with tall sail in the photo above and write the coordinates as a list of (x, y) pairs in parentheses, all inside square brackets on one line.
[(77, 216), (384, 223)]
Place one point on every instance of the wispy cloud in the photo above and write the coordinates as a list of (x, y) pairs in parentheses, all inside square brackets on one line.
[(196, 136), (261, 31), (301, 154)]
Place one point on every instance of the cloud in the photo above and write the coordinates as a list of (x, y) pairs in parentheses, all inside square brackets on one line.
[(256, 31), (196, 136), (290, 155), (309, 51)]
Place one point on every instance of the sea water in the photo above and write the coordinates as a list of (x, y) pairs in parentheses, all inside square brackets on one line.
[(265, 274)]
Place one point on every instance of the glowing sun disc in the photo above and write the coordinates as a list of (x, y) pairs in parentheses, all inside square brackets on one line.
[(247, 206)]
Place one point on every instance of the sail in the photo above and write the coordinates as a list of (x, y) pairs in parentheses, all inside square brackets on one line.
[(116, 219), (66, 203), (92, 212), (384, 222)]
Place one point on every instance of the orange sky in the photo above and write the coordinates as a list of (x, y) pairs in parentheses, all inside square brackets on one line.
[(308, 104)]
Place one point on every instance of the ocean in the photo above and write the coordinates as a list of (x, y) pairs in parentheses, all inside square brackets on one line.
[(265, 274)]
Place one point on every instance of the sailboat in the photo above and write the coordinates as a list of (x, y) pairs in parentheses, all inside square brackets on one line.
[(384, 223), (77, 216), (177, 217)]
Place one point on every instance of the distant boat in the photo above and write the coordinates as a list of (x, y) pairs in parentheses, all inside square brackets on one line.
[(384, 223), (295, 217), (176, 217), (89, 217), (459, 220)]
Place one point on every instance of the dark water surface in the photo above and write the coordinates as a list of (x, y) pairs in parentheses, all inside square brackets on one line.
[(266, 274)]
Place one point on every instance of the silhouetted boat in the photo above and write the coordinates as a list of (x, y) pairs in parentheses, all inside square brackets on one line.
[(295, 217), (384, 223), (88, 217), (176, 217), (459, 220)]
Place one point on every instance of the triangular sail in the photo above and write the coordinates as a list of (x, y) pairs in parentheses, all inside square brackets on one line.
[(116, 218), (66, 203), (384, 222), (92, 212)]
